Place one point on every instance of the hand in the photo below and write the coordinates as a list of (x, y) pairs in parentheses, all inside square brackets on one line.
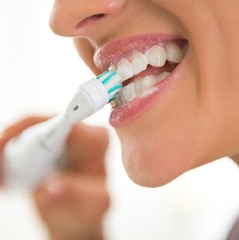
[(13, 131), (72, 203)]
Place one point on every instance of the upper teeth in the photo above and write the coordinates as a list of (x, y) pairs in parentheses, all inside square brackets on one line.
[(174, 52), (139, 62), (156, 56), (125, 69)]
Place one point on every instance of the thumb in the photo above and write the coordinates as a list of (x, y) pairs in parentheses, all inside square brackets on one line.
[(18, 127), (13, 131)]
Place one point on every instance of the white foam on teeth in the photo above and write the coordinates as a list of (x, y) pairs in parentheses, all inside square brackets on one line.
[(138, 87)]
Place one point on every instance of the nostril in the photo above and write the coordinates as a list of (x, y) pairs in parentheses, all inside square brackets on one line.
[(100, 15), (90, 19)]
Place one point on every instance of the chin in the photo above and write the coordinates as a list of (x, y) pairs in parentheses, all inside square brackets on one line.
[(148, 169)]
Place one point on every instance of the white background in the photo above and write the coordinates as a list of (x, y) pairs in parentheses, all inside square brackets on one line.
[(39, 71)]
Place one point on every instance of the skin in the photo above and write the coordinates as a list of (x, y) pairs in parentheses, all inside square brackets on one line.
[(200, 107), (193, 124), (66, 202)]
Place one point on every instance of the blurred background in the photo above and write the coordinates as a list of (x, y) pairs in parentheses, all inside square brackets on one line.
[(39, 72)]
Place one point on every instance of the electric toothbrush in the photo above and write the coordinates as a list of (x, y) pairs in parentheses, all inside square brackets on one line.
[(34, 154)]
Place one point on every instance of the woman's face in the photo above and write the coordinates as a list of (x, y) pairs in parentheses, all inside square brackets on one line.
[(191, 116)]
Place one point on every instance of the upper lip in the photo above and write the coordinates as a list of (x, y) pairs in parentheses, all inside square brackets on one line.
[(112, 52)]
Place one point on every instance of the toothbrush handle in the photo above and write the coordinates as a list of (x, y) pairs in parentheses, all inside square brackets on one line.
[(34, 154), (30, 157)]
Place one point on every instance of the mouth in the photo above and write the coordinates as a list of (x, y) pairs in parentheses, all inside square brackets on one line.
[(143, 63)]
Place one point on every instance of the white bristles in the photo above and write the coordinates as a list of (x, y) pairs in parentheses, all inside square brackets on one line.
[(112, 82)]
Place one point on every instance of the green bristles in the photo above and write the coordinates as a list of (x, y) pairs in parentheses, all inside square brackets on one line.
[(112, 82)]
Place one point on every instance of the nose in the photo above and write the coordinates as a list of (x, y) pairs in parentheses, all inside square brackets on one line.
[(68, 14)]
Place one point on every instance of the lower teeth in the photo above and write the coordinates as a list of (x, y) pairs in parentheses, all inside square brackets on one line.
[(153, 61), (137, 88)]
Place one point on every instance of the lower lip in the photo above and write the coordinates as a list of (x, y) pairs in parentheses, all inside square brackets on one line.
[(129, 112)]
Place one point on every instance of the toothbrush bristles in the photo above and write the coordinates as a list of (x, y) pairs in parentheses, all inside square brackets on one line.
[(112, 82)]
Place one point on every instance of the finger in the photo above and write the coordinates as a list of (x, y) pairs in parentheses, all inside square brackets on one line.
[(13, 131), (72, 206), (86, 150)]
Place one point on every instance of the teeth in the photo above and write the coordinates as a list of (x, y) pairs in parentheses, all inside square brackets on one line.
[(123, 100), (156, 56), (162, 76), (125, 69), (128, 92), (148, 82), (118, 101), (174, 53), (139, 62), (138, 86)]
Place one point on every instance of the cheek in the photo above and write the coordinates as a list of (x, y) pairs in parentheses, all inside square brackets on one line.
[(166, 142), (157, 147), (86, 52)]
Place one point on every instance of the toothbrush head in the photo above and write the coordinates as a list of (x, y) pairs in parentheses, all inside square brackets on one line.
[(112, 82), (93, 95)]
